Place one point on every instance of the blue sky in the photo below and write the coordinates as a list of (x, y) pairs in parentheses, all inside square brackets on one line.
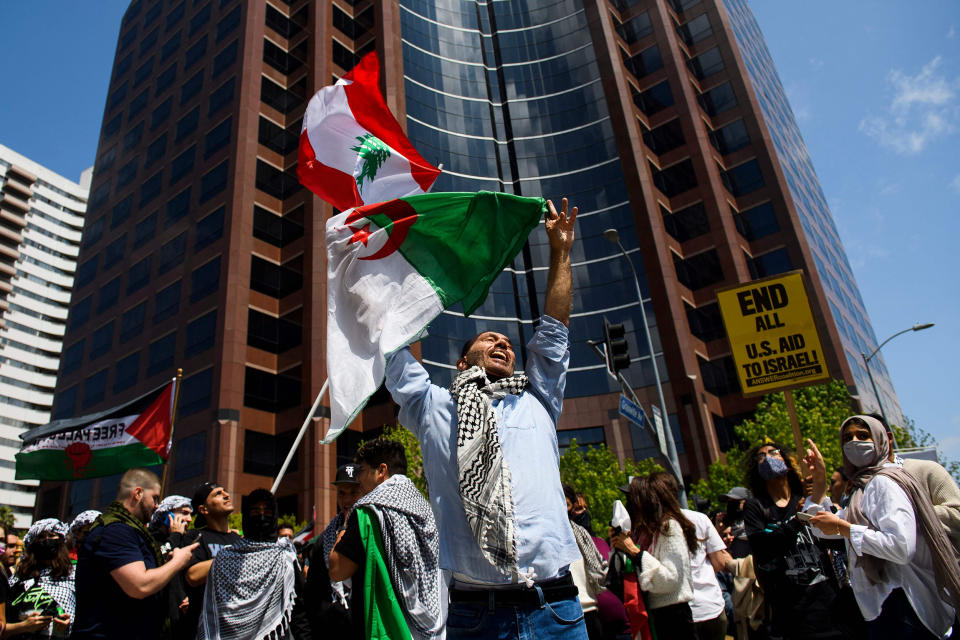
[(875, 87)]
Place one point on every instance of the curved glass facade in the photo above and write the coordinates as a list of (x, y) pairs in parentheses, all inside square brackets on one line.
[(507, 96)]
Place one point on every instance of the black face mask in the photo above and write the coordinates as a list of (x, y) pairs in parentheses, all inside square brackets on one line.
[(733, 511), (583, 519), (261, 528), (45, 550)]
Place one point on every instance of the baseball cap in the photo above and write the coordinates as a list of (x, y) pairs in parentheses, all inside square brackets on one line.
[(200, 495), (736, 493), (347, 474)]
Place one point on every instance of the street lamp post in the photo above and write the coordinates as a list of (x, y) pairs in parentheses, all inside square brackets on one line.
[(614, 237), (866, 362)]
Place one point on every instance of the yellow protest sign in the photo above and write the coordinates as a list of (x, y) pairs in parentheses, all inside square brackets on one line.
[(772, 334)]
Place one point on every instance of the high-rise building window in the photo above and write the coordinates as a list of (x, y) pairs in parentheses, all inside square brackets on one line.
[(170, 46), (155, 151), (277, 230), (205, 280), (182, 165), (664, 138), (139, 275), (144, 71), (93, 388), (109, 294), (126, 372), (214, 181), (113, 125), (209, 229), (227, 24), (191, 87), (179, 205), (72, 357), (742, 179), (273, 334), (123, 66), (139, 103), (117, 97), (201, 334), (188, 124), (150, 188), (107, 158), (191, 455), (172, 253), (144, 230), (675, 179), (217, 138), (225, 59), (731, 137), (654, 99), (706, 64), (149, 41), (197, 392), (263, 454), (275, 280), (155, 12), (705, 321), (113, 252), (682, 5), (87, 271), (166, 79), (289, 27), (167, 303), (199, 19), (100, 194), (221, 97), (277, 183), (161, 354), (161, 113), (278, 139), (131, 323), (272, 392), (283, 61), (769, 264), (65, 404), (718, 99), (687, 223), (80, 313), (757, 222), (127, 173), (644, 63), (283, 100), (700, 270), (121, 212), (174, 17), (196, 52), (637, 27), (695, 30), (93, 231), (719, 375)]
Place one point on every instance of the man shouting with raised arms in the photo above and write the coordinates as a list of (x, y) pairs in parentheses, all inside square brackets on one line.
[(490, 454)]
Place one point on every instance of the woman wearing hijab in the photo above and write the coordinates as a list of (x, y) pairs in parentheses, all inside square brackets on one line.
[(667, 541), (792, 567), (41, 601), (902, 566), (79, 529)]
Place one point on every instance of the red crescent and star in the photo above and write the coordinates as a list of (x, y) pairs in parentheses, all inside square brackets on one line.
[(400, 213)]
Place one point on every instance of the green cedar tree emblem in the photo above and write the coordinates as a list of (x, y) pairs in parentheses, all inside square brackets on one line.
[(373, 153)]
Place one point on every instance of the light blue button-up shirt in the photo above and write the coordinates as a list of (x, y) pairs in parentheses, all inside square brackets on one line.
[(527, 425)]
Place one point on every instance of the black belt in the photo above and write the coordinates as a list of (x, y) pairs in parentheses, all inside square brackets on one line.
[(553, 590)]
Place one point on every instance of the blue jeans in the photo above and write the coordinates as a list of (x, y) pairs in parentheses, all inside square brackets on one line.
[(562, 619)]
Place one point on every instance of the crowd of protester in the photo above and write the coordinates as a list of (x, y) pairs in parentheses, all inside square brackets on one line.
[(868, 552)]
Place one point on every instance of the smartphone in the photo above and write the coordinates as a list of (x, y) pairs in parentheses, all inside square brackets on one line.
[(803, 516)]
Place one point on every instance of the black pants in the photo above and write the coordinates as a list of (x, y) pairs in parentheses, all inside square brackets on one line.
[(673, 622), (898, 620), (715, 629)]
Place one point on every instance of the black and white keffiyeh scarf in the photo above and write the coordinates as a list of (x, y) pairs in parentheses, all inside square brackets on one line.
[(328, 539), (250, 592), (593, 562), (484, 474), (412, 548), (41, 590)]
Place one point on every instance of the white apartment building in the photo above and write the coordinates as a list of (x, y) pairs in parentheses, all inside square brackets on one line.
[(41, 218)]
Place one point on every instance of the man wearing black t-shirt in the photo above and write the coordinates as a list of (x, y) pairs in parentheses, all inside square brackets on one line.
[(120, 569), (213, 505)]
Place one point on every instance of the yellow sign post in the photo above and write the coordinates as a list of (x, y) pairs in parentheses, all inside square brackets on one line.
[(772, 334)]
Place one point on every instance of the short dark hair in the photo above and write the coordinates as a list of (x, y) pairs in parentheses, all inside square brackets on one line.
[(382, 451), (879, 418), (469, 343), (286, 526), (569, 493)]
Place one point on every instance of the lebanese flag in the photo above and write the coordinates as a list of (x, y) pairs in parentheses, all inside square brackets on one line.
[(136, 434), (352, 150), (392, 267)]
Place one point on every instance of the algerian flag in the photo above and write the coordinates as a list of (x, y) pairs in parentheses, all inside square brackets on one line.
[(135, 434), (352, 150), (393, 267)]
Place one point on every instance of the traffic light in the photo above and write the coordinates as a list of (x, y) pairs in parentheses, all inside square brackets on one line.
[(618, 353)]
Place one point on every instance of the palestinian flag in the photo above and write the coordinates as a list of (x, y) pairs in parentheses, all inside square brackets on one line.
[(352, 150), (393, 267), (135, 434)]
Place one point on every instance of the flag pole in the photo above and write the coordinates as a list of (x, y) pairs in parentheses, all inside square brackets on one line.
[(296, 443), (173, 424)]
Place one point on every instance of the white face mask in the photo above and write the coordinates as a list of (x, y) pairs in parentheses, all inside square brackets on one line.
[(860, 453)]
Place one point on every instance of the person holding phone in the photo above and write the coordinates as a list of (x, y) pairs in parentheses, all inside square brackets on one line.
[(41, 601), (903, 568), (791, 565)]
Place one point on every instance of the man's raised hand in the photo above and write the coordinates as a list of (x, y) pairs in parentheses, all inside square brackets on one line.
[(559, 226)]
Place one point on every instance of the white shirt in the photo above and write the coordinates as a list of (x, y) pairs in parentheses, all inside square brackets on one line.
[(707, 602), (893, 537)]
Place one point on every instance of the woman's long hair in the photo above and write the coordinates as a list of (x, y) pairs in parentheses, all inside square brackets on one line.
[(30, 567), (752, 468), (653, 502)]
